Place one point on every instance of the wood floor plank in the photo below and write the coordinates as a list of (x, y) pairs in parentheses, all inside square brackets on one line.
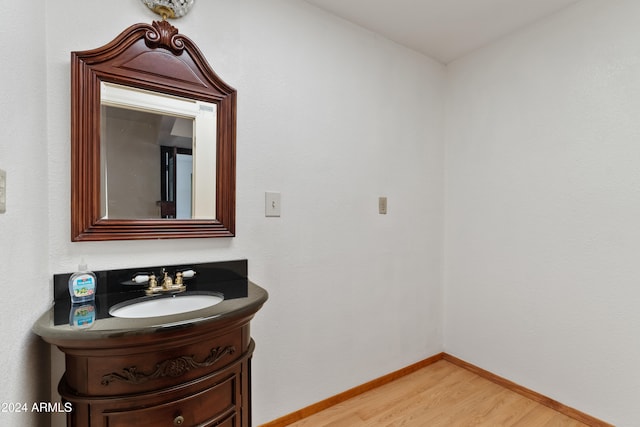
[(441, 394), (420, 391)]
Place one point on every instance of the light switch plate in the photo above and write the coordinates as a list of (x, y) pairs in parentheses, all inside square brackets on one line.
[(3, 191), (271, 204)]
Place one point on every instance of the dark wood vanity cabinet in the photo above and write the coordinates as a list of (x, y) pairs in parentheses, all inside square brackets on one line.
[(196, 375), (186, 369)]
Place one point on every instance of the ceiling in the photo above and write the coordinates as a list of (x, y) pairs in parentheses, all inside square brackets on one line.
[(442, 29)]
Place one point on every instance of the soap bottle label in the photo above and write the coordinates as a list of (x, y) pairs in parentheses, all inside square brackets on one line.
[(83, 286)]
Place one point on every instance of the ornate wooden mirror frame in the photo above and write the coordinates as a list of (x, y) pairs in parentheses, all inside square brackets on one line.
[(157, 58)]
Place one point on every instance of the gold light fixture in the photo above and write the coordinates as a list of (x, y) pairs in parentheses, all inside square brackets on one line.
[(169, 8)]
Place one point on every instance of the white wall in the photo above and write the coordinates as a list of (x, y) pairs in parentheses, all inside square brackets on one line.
[(542, 207), (23, 228), (331, 116), (542, 192)]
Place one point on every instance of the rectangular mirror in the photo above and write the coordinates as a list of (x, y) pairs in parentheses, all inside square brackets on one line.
[(151, 166)]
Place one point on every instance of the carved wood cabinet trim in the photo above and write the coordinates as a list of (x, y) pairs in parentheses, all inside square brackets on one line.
[(168, 368)]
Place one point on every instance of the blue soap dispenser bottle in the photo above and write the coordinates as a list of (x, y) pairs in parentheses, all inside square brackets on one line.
[(82, 284)]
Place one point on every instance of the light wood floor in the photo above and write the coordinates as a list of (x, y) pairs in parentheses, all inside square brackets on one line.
[(441, 394)]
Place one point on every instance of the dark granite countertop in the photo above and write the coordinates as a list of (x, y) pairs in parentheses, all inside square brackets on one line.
[(228, 279)]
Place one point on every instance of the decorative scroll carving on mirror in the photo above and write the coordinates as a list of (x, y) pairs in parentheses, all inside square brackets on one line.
[(153, 132)]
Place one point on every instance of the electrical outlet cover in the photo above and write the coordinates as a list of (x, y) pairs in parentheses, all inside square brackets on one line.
[(382, 205), (3, 191)]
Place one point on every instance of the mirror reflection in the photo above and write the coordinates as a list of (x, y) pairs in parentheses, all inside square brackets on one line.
[(158, 155)]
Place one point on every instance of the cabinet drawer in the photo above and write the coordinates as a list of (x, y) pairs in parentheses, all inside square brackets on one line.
[(136, 373), (215, 406), (231, 421)]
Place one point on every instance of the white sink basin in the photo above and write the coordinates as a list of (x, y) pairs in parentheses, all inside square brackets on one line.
[(164, 305)]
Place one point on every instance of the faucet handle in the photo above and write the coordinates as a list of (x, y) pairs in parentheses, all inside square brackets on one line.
[(140, 278), (178, 280), (188, 274), (153, 285)]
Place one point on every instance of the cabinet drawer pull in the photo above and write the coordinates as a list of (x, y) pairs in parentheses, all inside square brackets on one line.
[(178, 421)]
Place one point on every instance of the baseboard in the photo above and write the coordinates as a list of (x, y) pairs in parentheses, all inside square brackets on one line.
[(510, 385), (346, 395)]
